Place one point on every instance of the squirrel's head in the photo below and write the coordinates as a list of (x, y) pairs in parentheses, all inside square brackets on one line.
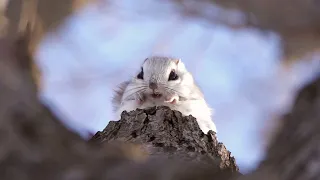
[(159, 76)]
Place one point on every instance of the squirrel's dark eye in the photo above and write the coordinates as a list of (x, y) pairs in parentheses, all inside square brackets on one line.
[(140, 75), (173, 76)]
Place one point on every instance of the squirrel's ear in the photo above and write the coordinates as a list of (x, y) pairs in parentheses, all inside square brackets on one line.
[(177, 61)]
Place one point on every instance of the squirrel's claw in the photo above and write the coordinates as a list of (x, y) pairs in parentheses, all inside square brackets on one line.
[(140, 99), (172, 99)]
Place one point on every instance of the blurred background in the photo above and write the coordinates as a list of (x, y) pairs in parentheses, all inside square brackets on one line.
[(244, 66)]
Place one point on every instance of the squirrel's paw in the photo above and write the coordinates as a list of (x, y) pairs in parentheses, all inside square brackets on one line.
[(140, 99), (172, 99)]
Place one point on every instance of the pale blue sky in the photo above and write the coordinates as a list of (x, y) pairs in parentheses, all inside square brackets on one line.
[(238, 70)]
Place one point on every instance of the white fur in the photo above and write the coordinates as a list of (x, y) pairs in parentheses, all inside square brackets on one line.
[(157, 69)]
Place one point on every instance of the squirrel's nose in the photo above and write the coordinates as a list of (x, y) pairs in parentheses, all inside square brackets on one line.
[(153, 85)]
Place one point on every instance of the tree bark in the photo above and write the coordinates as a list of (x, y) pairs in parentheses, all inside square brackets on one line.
[(162, 131)]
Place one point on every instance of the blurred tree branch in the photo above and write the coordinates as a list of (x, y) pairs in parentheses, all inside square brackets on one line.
[(3, 18), (297, 22), (40, 16)]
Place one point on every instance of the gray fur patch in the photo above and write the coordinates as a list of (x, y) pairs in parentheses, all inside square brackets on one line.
[(118, 94)]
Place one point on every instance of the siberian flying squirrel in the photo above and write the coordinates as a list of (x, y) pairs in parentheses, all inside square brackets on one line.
[(164, 81)]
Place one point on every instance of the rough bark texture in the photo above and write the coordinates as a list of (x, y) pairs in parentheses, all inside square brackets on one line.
[(162, 131)]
